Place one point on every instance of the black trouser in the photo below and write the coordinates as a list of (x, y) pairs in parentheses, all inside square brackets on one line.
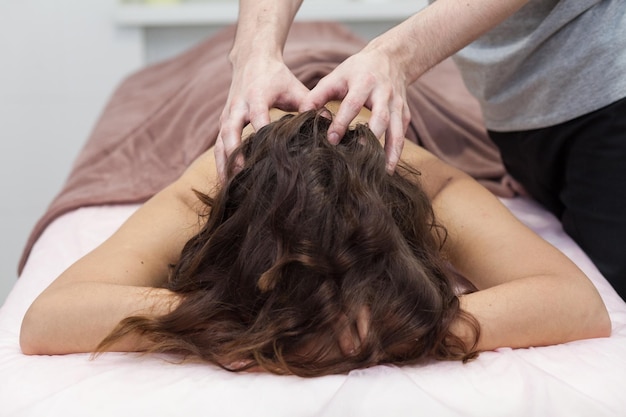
[(577, 170)]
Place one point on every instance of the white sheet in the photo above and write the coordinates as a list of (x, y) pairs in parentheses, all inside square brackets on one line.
[(583, 378)]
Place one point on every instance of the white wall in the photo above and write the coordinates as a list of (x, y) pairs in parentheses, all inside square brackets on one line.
[(59, 62)]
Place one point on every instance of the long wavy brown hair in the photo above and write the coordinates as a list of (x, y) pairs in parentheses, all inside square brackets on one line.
[(297, 244)]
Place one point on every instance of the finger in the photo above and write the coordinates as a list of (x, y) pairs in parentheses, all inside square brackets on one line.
[(363, 322), (228, 139), (394, 141), (220, 159), (238, 164), (230, 135), (325, 91), (222, 155), (259, 115), (381, 115), (347, 337), (348, 110), (406, 118)]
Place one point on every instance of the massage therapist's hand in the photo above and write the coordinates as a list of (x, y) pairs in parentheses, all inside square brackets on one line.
[(371, 79), (258, 84)]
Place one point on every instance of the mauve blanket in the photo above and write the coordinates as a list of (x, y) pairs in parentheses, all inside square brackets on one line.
[(165, 115)]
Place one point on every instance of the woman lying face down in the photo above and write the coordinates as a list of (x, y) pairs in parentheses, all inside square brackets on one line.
[(311, 259), (302, 243)]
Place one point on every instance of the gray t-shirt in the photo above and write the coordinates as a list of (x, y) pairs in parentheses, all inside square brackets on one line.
[(550, 62)]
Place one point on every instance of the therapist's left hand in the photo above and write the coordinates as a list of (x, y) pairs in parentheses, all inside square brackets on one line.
[(368, 78)]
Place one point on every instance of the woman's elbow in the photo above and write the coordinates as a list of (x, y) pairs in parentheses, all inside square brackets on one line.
[(594, 317), (600, 322), (39, 332), (30, 340)]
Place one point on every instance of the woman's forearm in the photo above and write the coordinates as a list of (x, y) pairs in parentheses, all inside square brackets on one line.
[(76, 317), (262, 28), (440, 30), (535, 311)]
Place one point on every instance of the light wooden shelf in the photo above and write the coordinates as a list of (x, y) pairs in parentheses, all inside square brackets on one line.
[(225, 12)]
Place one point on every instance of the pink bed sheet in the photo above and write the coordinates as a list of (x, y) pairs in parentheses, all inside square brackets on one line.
[(583, 378)]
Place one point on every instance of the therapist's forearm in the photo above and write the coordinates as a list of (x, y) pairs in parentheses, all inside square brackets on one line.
[(262, 27), (440, 30)]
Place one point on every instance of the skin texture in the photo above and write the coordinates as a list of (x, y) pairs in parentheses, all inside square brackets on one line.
[(518, 275), (376, 77)]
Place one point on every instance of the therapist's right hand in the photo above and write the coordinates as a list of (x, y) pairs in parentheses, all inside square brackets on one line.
[(257, 85)]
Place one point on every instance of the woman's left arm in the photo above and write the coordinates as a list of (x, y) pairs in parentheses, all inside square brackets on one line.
[(124, 276), (530, 294)]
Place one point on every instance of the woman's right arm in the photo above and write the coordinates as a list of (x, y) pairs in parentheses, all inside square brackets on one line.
[(122, 277), (529, 293)]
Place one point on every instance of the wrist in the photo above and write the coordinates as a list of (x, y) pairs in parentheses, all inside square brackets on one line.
[(262, 29), (402, 47), (396, 56), (244, 55)]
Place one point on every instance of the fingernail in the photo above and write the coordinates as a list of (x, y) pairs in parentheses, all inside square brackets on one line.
[(333, 137)]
